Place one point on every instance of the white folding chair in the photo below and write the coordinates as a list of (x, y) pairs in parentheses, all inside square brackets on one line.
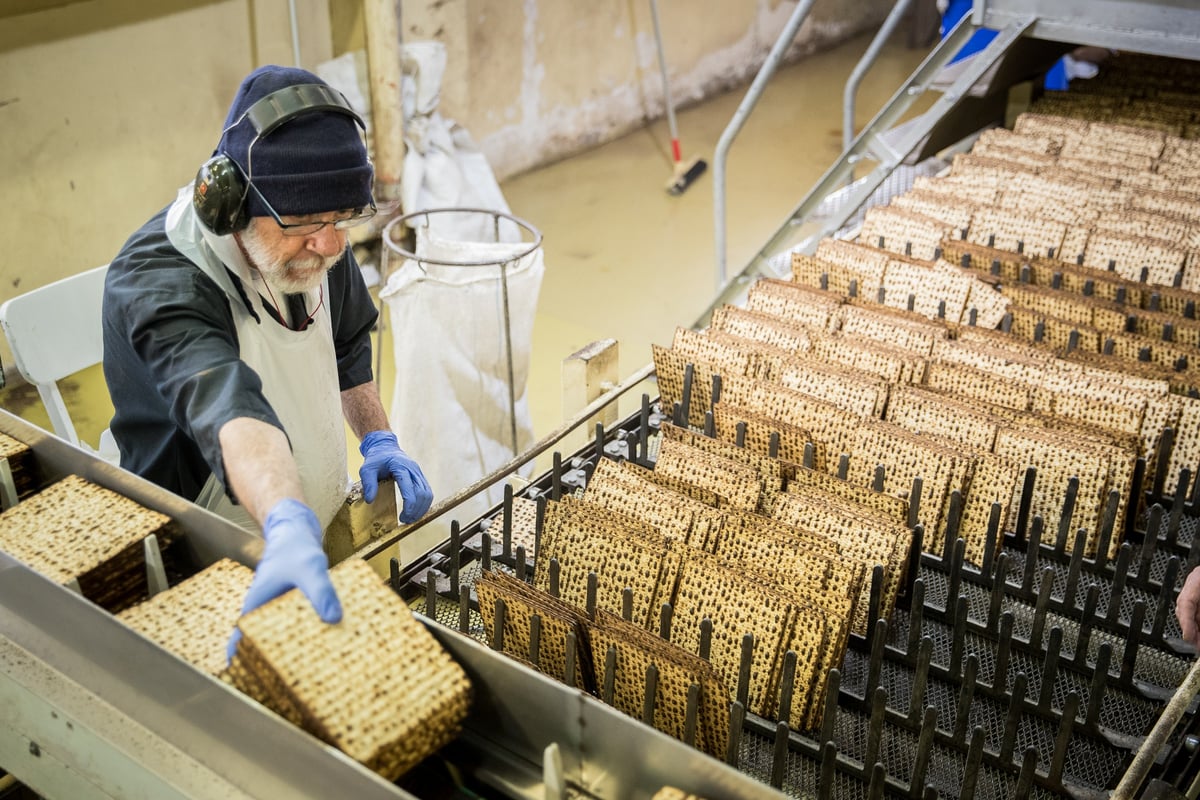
[(55, 331)]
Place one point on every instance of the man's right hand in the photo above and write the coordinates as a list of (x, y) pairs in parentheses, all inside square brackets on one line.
[(292, 559)]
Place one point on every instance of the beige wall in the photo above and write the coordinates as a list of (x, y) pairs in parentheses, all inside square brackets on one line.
[(108, 106)]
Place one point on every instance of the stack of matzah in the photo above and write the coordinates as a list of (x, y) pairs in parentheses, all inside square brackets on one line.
[(800, 305), (904, 231), (74, 530), (623, 553), (195, 618), (633, 651), (739, 602), (376, 685), (771, 472), (623, 489), (557, 620), (761, 327), (864, 535)]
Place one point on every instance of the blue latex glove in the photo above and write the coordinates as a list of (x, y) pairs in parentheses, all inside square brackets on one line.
[(292, 559), (382, 457)]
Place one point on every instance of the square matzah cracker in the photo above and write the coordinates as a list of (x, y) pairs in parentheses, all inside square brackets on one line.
[(583, 543), (811, 272), (759, 327), (738, 484), (521, 602), (376, 685), (623, 488), (737, 605), (890, 506), (524, 526), (725, 356), (678, 670), (194, 619), (891, 327), (870, 356), (670, 369), (771, 471), (834, 383), (758, 432), (798, 305), (863, 535), (942, 468), (921, 411), (1058, 458), (832, 428)]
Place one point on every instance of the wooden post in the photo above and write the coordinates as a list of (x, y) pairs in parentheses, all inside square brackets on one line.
[(586, 375), (387, 120)]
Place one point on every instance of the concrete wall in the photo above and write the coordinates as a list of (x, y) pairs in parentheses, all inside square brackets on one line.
[(108, 106)]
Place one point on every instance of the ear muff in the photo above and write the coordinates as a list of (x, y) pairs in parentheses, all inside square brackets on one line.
[(219, 196), (219, 192)]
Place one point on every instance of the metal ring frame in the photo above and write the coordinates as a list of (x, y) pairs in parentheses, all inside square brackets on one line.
[(390, 244)]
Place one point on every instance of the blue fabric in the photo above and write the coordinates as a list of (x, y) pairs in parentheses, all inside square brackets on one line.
[(978, 41), (1056, 78), (382, 457), (292, 559)]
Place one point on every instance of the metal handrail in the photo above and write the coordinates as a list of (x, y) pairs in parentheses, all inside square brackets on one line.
[(860, 71), (739, 119)]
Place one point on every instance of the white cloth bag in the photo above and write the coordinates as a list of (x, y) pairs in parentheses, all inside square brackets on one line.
[(451, 404)]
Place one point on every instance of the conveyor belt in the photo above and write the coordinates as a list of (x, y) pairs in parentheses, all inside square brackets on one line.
[(1019, 688)]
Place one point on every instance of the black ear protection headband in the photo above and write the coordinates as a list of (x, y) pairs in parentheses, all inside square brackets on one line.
[(219, 193)]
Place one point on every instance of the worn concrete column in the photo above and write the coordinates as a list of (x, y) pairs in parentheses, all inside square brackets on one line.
[(382, 21)]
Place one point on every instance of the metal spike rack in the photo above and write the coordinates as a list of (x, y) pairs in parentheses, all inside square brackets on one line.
[(1036, 674)]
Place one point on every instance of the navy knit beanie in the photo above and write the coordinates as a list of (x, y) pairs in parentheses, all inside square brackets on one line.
[(312, 164)]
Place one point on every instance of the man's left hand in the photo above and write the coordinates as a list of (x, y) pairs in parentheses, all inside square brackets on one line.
[(382, 457)]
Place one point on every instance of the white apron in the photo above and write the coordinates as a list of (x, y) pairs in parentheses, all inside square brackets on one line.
[(298, 371)]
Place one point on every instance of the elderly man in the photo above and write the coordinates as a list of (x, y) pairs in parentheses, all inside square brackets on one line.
[(236, 333)]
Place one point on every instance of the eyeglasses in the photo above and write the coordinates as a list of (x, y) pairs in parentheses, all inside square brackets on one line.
[(352, 219)]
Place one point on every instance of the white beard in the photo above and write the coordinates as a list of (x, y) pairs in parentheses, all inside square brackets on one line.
[(298, 275)]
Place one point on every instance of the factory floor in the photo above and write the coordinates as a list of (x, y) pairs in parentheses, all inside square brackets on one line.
[(624, 259)]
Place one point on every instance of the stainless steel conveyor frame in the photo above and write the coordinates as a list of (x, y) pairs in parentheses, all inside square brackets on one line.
[(91, 709)]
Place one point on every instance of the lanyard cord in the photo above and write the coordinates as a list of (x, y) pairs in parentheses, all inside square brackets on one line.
[(279, 311)]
